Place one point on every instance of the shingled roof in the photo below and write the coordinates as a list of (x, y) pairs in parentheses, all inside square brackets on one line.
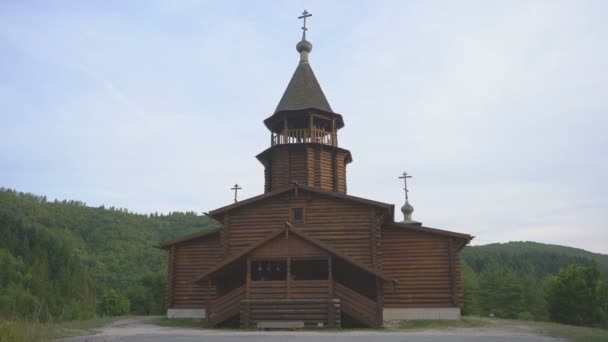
[(303, 91)]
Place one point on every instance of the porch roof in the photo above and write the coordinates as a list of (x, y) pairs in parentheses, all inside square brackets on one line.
[(289, 229)]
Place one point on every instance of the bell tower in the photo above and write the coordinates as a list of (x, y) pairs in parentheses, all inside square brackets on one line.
[(304, 133)]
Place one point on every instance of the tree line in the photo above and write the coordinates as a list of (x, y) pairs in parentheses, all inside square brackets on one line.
[(531, 281), (63, 260)]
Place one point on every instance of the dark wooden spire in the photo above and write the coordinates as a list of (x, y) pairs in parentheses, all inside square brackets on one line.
[(304, 134), (303, 92)]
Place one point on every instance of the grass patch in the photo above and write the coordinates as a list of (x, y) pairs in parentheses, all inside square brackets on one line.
[(181, 323), (23, 331), (569, 332), (463, 322)]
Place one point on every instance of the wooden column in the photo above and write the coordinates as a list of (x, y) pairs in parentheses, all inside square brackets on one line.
[(288, 282), (311, 127), (330, 276), (334, 165), (372, 236), (379, 301), (170, 278), (248, 279), (285, 131), (334, 136), (453, 275)]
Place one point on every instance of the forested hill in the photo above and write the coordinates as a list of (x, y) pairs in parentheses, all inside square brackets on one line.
[(62, 260), (59, 258), (529, 280), (542, 258)]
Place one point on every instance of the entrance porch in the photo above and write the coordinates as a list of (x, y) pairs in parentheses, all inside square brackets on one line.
[(291, 278)]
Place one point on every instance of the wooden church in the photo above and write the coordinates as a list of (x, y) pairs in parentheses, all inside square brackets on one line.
[(305, 253)]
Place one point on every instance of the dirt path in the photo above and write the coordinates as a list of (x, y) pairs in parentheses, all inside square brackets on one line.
[(142, 330)]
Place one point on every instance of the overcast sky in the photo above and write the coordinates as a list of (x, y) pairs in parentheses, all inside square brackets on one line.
[(498, 109)]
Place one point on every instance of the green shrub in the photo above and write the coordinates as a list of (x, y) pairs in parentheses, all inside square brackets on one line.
[(7, 332), (113, 304), (525, 316)]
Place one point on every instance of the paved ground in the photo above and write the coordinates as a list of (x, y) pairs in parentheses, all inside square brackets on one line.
[(140, 330)]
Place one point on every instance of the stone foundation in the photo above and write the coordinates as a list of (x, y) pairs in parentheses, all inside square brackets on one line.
[(186, 313), (411, 314)]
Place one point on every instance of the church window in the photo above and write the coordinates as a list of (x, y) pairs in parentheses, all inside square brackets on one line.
[(297, 215)]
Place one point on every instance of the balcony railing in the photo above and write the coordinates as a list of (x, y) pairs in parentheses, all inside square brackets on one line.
[(304, 135)]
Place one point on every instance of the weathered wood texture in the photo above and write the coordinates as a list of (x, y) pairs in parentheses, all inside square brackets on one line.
[(291, 246), (421, 264), (298, 289), (357, 306), (189, 259), (254, 222), (226, 306), (309, 164), (343, 224), (311, 311)]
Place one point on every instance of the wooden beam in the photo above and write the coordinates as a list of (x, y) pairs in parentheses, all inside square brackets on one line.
[(288, 282), (248, 280), (453, 274), (379, 302), (372, 236), (226, 235), (330, 277), (171, 278)]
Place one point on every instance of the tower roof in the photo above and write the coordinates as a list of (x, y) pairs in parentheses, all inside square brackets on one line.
[(303, 91)]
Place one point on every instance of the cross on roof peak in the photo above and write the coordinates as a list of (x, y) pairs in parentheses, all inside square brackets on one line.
[(236, 188), (405, 177), (304, 15)]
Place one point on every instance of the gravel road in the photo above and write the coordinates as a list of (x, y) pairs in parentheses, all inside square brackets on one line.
[(141, 330)]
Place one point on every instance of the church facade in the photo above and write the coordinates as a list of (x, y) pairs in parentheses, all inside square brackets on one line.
[(306, 253)]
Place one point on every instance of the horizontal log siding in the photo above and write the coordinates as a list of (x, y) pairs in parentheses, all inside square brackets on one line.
[(341, 172), (310, 166), (254, 222), (326, 170), (306, 289), (420, 263), (459, 280), (297, 166), (341, 224), (190, 260), (280, 168), (276, 289)]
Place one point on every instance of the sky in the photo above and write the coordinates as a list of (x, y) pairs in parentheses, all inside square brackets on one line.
[(498, 109)]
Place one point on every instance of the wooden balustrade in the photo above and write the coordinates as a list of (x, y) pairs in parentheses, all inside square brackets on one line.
[(226, 306), (304, 135), (268, 289), (356, 305)]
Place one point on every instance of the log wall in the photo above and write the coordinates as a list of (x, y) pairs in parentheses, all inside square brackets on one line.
[(422, 264), (309, 164), (254, 222), (188, 260), (351, 227)]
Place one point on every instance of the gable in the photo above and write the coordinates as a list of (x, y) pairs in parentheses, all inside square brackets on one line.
[(296, 189), (308, 242), (288, 245)]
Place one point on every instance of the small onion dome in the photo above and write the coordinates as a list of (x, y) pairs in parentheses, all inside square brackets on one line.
[(304, 46), (407, 211)]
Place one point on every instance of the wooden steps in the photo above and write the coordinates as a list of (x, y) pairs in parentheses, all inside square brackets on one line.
[(314, 313)]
